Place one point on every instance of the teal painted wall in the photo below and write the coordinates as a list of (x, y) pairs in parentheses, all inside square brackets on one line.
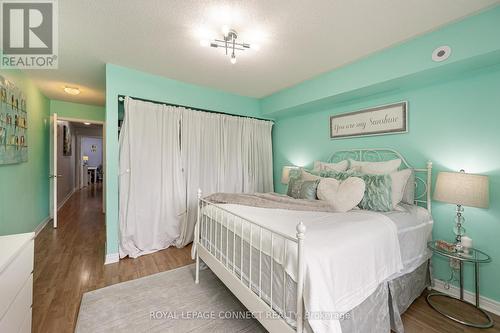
[(454, 124), (123, 81), (474, 42), (24, 187), (77, 111), (454, 108), (454, 112)]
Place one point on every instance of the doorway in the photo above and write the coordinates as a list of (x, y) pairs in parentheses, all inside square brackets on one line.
[(76, 160)]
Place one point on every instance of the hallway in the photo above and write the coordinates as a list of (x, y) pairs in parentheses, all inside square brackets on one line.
[(69, 261)]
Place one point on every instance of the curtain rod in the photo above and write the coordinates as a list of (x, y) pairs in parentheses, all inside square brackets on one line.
[(121, 99)]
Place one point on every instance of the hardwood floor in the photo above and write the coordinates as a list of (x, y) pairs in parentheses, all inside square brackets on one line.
[(69, 261), (420, 317)]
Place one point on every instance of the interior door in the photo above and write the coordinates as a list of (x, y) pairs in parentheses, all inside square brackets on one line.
[(53, 169)]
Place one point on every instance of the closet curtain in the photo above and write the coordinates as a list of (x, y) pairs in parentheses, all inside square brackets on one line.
[(152, 202), (223, 153), (201, 155), (190, 150)]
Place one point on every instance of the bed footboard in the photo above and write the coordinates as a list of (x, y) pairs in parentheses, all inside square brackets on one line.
[(221, 239)]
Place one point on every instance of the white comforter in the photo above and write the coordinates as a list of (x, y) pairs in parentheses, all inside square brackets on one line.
[(347, 255)]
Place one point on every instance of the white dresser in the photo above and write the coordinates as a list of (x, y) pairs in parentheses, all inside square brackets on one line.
[(16, 282)]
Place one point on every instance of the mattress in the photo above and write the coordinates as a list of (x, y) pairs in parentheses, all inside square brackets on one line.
[(414, 224), (274, 285)]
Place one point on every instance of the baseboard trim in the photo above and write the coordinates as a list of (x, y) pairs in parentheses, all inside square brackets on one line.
[(66, 199), (42, 225), (111, 258), (487, 304)]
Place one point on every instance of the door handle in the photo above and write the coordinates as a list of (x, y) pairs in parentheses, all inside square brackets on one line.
[(55, 176)]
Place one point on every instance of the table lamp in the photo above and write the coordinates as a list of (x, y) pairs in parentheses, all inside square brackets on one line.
[(85, 159), (285, 174), (462, 189)]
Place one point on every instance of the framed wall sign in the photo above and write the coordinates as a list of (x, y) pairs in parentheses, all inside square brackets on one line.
[(386, 119)]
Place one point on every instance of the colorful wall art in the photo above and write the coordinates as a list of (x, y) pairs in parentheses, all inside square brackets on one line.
[(13, 124)]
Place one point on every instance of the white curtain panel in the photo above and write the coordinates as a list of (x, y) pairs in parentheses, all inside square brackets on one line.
[(257, 156), (168, 153), (201, 153), (152, 190), (223, 153), (231, 158)]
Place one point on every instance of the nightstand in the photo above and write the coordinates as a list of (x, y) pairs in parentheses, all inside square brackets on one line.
[(475, 257)]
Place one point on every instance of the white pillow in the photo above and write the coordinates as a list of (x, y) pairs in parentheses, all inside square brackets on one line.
[(342, 196), (306, 176), (340, 166), (409, 194), (399, 183), (376, 168)]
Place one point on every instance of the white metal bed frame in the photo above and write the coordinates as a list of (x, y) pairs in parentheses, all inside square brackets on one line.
[(266, 313)]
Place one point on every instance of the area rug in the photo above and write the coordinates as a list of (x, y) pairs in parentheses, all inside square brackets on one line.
[(165, 302)]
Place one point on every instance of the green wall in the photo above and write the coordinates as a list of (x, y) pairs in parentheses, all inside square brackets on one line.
[(453, 124), (24, 187), (454, 111), (474, 42), (454, 114), (123, 81), (77, 111)]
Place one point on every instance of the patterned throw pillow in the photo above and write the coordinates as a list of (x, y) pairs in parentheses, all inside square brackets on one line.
[(378, 193), (308, 190), (302, 185), (339, 175), (378, 190)]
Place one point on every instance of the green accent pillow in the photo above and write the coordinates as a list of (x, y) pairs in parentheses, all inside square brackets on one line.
[(294, 181), (308, 190), (378, 192), (299, 188), (339, 175), (295, 174)]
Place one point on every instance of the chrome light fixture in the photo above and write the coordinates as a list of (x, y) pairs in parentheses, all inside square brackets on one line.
[(228, 42)]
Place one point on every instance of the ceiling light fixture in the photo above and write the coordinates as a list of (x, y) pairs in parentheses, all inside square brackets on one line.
[(228, 42), (71, 90), (86, 124)]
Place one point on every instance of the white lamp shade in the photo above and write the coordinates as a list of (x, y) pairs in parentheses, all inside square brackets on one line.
[(285, 174), (85, 158), (462, 188)]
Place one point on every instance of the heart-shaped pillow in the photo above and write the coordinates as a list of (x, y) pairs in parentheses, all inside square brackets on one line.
[(341, 195)]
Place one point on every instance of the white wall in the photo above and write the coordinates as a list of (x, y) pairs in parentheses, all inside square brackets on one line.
[(81, 133), (92, 147)]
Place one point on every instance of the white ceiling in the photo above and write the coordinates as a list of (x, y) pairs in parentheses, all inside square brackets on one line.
[(299, 39)]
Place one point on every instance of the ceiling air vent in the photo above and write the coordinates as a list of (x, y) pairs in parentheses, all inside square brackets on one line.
[(441, 53)]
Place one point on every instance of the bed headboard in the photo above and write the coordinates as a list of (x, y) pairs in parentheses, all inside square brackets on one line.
[(423, 176)]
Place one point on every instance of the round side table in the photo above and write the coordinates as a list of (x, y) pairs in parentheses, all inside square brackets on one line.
[(475, 257)]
